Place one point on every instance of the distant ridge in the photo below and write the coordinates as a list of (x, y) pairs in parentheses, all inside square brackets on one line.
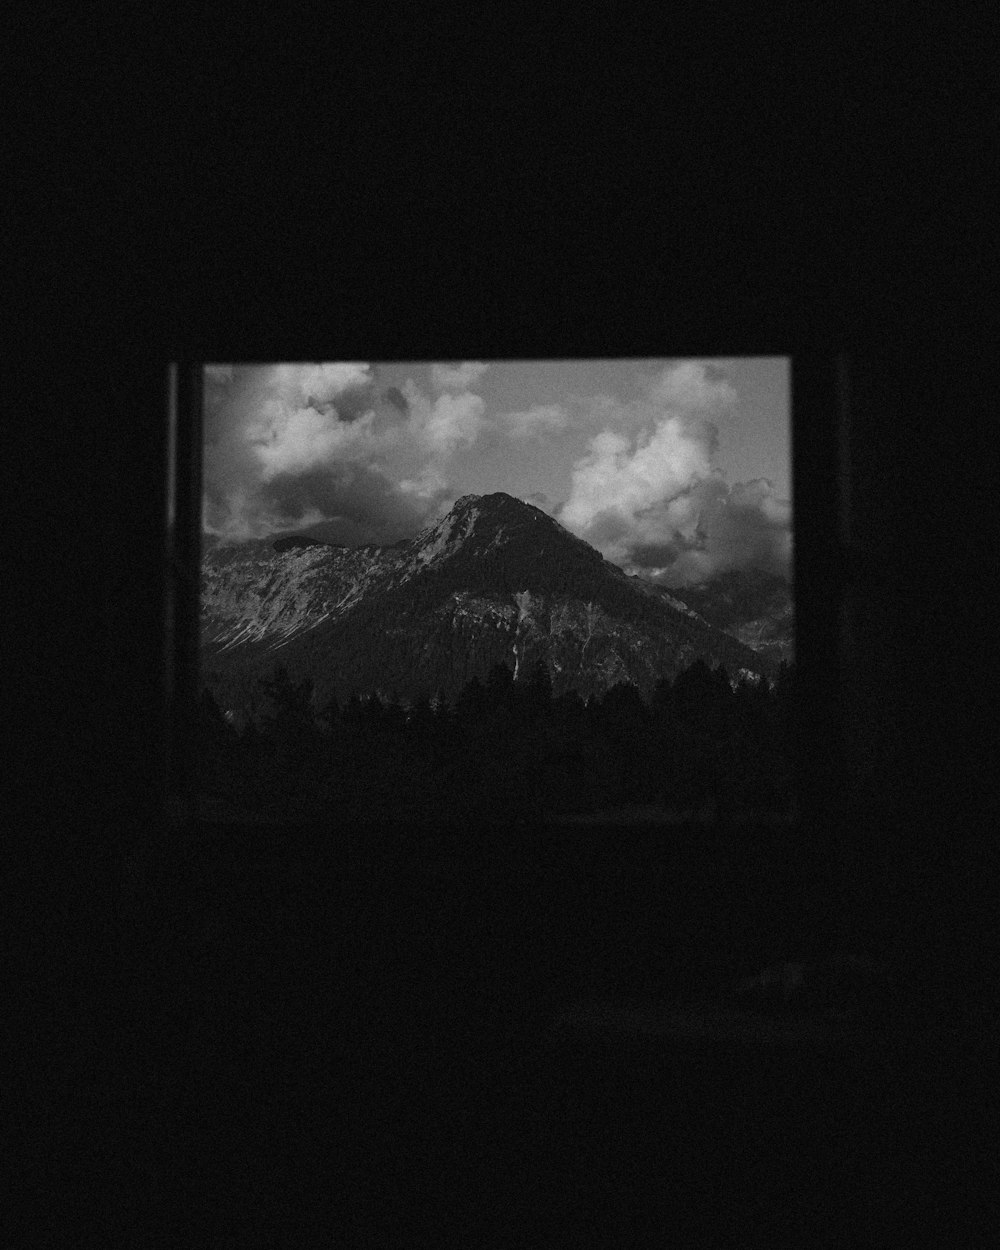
[(297, 540)]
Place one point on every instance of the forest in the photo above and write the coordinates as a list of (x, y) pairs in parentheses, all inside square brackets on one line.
[(504, 747)]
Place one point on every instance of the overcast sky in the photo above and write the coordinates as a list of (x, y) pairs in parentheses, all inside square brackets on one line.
[(673, 469)]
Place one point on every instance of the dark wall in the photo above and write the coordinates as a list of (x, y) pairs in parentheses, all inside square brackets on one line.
[(420, 193), (94, 628), (773, 218)]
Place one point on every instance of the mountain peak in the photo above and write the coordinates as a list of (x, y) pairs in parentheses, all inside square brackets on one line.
[(495, 500), (495, 579)]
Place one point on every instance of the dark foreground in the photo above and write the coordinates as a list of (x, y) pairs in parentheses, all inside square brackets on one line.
[(353, 1043)]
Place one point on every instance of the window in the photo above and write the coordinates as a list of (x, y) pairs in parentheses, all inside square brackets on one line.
[(678, 472)]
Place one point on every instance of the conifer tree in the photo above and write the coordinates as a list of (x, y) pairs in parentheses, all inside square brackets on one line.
[(393, 717), (420, 720), (499, 689), (471, 702), (291, 704), (328, 716), (568, 710), (214, 728), (352, 714), (539, 692)]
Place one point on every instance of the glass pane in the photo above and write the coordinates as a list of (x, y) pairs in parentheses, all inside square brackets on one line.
[(553, 589)]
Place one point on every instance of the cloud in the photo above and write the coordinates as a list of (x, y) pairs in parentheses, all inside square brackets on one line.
[(398, 400), (689, 388), (295, 446), (339, 386), (451, 420), (297, 442), (457, 377), (536, 421), (652, 501), (326, 447), (713, 528), (629, 479)]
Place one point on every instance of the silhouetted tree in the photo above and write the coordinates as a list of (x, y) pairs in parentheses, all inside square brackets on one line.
[(749, 708), (538, 696), (352, 715), (213, 727), (393, 718), (292, 756), (217, 745), (328, 716), (420, 720), (695, 696), (568, 712), (784, 681), (373, 708), (662, 697), (499, 689), (471, 703), (623, 732), (623, 708), (291, 713)]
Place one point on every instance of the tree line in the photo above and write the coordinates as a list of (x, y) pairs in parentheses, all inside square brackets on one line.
[(503, 747)]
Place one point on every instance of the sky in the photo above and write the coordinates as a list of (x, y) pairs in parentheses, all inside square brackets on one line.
[(674, 469)]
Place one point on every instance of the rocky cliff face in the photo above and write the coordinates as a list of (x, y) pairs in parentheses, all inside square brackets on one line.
[(751, 605), (496, 580)]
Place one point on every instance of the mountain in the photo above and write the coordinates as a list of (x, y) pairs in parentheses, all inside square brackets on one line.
[(495, 581), (756, 607)]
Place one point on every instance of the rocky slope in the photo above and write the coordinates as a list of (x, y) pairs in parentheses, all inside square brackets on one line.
[(756, 607), (496, 580)]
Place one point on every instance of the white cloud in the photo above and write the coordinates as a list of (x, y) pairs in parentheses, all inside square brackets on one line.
[(457, 377), (538, 420), (290, 445), (305, 438), (615, 475), (652, 500), (688, 388), (301, 385), (454, 419), (438, 427)]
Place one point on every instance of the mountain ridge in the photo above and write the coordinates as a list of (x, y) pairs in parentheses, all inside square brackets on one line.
[(493, 580)]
